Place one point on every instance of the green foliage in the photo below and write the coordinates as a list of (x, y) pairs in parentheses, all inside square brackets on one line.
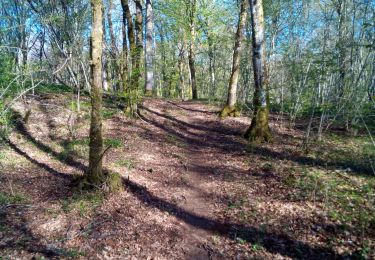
[(346, 200), (108, 113), (53, 88), (128, 163), (80, 147), (5, 121), (84, 105), (16, 198), (114, 143), (84, 204)]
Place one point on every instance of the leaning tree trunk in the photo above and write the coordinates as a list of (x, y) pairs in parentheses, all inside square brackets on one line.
[(96, 139), (230, 107), (149, 49), (259, 129)]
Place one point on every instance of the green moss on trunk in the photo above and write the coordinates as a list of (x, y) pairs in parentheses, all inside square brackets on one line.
[(110, 182), (148, 93), (229, 111), (259, 131)]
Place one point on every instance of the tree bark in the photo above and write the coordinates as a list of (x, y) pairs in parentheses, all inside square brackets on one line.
[(149, 49), (191, 13), (259, 129), (230, 107), (131, 91), (116, 74), (96, 139)]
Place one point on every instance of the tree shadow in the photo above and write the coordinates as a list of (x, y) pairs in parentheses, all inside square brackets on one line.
[(21, 129), (222, 130), (25, 239), (193, 110), (357, 168), (40, 164), (272, 242), (226, 144)]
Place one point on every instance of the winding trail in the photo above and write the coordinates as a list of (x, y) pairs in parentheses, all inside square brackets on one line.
[(195, 189)]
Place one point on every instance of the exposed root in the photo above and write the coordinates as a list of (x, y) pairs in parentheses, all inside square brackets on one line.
[(111, 182)]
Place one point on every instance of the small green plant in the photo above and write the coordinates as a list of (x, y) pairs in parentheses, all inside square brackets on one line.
[(128, 163), (114, 143), (256, 247), (53, 88), (80, 148), (73, 253), (241, 241), (16, 198), (84, 204), (108, 113)]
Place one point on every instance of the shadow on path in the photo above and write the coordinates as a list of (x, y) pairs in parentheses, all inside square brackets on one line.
[(225, 143), (272, 242)]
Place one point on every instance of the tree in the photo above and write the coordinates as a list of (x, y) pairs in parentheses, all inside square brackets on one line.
[(149, 49), (96, 139), (259, 129), (230, 107), (191, 10), (135, 55)]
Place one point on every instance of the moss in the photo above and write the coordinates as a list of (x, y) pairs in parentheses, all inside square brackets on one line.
[(259, 130), (109, 182), (113, 183), (16, 198), (229, 111), (148, 93)]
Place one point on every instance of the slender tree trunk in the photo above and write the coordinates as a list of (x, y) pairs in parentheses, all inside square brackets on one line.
[(149, 49), (181, 71), (124, 63), (191, 13), (96, 139), (259, 129), (116, 74), (230, 107), (105, 69), (131, 91), (342, 40), (211, 56), (137, 54)]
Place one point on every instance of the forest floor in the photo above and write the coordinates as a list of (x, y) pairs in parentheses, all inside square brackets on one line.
[(193, 187)]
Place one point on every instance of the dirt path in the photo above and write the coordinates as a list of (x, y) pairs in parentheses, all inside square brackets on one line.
[(197, 136), (195, 189)]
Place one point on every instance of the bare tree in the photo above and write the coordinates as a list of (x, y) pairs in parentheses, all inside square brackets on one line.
[(191, 12), (230, 107), (149, 49), (96, 140), (259, 129)]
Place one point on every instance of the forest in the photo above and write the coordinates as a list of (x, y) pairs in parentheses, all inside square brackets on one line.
[(187, 129)]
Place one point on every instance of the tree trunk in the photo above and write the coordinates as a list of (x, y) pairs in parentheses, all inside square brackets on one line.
[(96, 139), (105, 69), (149, 49), (191, 13), (230, 107), (116, 74), (259, 129), (181, 56), (124, 63), (131, 91)]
